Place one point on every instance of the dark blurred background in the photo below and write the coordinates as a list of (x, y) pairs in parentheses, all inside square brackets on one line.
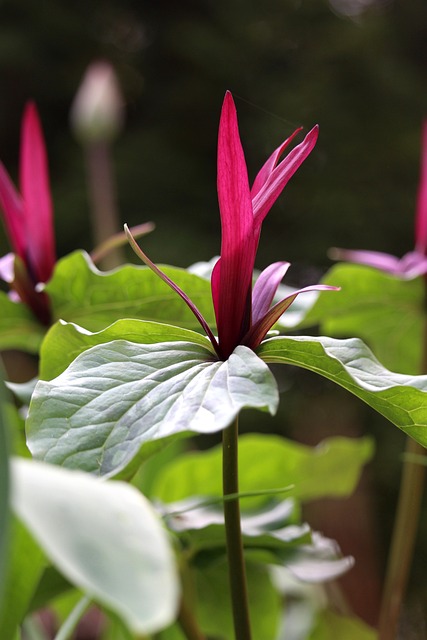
[(356, 67)]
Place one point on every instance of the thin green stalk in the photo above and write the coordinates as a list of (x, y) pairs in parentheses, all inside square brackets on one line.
[(188, 623), (233, 532), (404, 530), (73, 619)]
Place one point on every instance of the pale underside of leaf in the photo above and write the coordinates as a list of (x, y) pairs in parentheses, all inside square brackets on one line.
[(117, 396)]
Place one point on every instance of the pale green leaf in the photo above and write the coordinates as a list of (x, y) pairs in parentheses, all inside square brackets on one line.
[(65, 341), (117, 396), (104, 537), (332, 625), (401, 398)]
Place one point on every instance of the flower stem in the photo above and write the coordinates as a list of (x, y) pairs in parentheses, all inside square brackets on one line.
[(233, 532), (188, 623), (404, 533), (405, 528)]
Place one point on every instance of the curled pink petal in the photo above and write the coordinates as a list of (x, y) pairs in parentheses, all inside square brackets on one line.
[(259, 329), (280, 176), (35, 191), (265, 288), (384, 261), (270, 164)]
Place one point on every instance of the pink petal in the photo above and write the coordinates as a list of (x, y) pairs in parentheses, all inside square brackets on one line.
[(268, 167), (13, 212), (259, 329), (35, 190), (280, 176), (265, 288), (377, 259), (7, 267), (231, 284), (421, 214)]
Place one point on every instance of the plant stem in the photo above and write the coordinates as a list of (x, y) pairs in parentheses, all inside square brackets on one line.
[(105, 217), (404, 530), (233, 533), (71, 622), (188, 624), (404, 533)]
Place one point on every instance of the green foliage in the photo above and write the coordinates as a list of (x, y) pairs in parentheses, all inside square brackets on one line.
[(80, 293), (387, 312), (4, 490), (81, 522), (331, 469), (117, 396), (331, 625), (18, 327), (25, 567), (400, 398)]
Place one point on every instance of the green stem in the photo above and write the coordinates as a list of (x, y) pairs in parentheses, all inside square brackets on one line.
[(404, 530), (233, 533), (73, 619), (402, 545), (188, 623)]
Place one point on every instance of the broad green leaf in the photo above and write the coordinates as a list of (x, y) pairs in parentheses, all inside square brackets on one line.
[(332, 625), (80, 293), (104, 537), (117, 396), (18, 327), (401, 398), (4, 489), (387, 312), (65, 341), (331, 469), (26, 564)]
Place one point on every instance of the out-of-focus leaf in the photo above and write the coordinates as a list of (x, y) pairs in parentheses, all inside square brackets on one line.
[(213, 602), (80, 293), (401, 398), (387, 312), (117, 396), (26, 563), (4, 488), (18, 327), (331, 625), (331, 469), (105, 538)]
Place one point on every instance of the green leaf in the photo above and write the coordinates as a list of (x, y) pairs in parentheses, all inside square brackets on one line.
[(117, 396), (26, 564), (80, 293), (387, 312), (104, 537), (4, 488), (331, 469), (213, 602), (65, 341), (402, 399), (18, 327), (332, 625)]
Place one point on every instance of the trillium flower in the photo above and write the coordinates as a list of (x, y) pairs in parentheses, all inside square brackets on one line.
[(28, 220), (412, 264), (244, 314)]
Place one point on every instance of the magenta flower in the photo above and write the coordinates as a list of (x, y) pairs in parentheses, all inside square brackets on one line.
[(28, 220), (414, 263), (244, 314)]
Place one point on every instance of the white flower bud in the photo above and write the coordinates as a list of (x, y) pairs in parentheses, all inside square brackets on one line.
[(97, 111)]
